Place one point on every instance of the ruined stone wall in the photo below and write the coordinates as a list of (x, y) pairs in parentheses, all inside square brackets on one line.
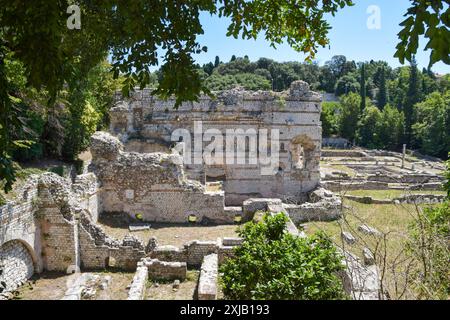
[(295, 113), (16, 264), (151, 184), (20, 241)]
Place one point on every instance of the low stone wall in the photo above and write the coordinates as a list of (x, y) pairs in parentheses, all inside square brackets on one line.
[(323, 206), (194, 251), (165, 270), (408, 198), (339, 186), (343, 153), (207, 284), (368, 200), (197, 250)]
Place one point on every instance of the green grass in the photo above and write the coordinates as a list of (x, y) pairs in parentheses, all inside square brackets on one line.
[(389, 194)]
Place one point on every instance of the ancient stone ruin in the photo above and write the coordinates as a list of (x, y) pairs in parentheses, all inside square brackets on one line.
[(138, 169), (146, 124)]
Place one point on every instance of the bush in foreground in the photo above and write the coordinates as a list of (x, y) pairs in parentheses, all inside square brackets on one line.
[(274, 265)]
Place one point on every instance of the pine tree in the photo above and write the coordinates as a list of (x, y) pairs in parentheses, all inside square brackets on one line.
[(382, 90), (363, 87)]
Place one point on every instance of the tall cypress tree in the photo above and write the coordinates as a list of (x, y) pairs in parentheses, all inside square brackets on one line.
[(411, 99), (216, 62), (382, 90), (363, 87)]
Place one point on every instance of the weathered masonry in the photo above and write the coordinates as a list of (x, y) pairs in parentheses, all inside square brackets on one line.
[(145, 124)]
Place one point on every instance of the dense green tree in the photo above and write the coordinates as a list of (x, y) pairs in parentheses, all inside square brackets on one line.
[(330, 118), (432, 129), (248, 81), (369, 128), (349, 116), (391, 128), (208, 68), (257, 270), (333, 70), (346, 84)]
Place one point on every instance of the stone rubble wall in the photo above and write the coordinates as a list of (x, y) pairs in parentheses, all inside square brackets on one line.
[(152, 185), (165, 270), (195, 251), (20, 237), (51, 226), (296, 113), (16, 263)]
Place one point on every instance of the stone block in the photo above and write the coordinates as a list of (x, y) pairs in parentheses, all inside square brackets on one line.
[(207, 285)]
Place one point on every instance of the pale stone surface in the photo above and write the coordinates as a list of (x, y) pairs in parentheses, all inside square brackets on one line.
[(364, 228), (361, 282), (207, 285), (138, 285), (369, 259), (348, 237)]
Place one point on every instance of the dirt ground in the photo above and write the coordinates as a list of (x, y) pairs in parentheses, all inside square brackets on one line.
[(167, 234), (165, 291), (52, 286)]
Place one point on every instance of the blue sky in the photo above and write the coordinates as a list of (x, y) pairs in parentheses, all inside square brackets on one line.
[(349, 36)]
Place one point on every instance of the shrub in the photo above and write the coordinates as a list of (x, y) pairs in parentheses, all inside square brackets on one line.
[(429, 245), (273, 264)]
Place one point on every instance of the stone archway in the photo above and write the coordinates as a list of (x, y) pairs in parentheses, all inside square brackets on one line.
[(17, 263)]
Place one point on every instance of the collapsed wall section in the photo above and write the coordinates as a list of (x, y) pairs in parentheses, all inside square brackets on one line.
[(152, 185)]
